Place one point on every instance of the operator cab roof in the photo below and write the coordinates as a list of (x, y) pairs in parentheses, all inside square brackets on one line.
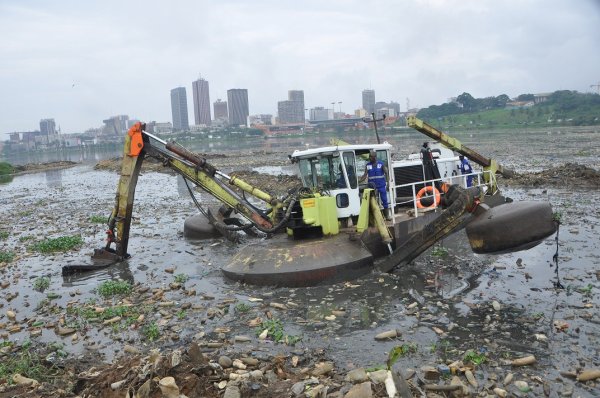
[(308, 153)]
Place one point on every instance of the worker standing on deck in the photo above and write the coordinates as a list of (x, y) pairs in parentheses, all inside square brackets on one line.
[(465, 168), (377, 173)]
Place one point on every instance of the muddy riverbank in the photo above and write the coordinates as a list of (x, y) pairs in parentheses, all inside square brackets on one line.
[(450, 314)]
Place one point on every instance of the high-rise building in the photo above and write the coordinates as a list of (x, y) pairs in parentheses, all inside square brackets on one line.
[(368, 100), (115, 125), (237, 99), (321, 113), (179, 109), (201, 102), (47, 127), (220, 109), (298, 97), (292, 110)]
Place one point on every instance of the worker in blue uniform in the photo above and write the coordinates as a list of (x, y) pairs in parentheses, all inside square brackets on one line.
[(377, 173), (465, 168)]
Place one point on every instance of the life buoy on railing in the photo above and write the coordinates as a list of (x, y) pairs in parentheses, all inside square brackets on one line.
[(428, 189)]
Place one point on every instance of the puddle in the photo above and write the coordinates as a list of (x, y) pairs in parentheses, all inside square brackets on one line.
[(276, 170)]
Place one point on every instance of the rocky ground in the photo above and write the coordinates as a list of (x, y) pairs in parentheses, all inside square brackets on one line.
[(238, 346)]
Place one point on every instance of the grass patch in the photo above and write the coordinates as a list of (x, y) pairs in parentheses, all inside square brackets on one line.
[(61, 244), (400, 351), (242, 308), (181, 278), (114, 288), (474, 357), (95, 219), (151, 331), (6, 168), (25, 238), (42, 283), (4, 235), (128, 313), (6, 256), (27, 363), (439, 251), (275, 330)]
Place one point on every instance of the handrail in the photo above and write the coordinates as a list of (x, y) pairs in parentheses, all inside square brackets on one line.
[(481, 181)]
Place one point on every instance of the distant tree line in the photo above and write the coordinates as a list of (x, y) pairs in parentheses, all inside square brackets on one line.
[(563, 101)]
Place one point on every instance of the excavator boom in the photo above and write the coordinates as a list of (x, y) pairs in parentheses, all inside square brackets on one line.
[(456, 145), (194, 168)]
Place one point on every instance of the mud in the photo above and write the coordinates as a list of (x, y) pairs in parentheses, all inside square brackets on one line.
[(448, 303)]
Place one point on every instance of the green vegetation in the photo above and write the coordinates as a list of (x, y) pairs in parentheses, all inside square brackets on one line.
[(61, 244), (474, 358), (128, 313), (181, 314), (4, 235), (27, 363), (242, 308), (443, 348), (151, 331), (181, 278), (439, 251), (561, 108), (586, 291), (25, 238), (114, 288), (95, 219), (557, 216), (400, 351), (6, 168), (6, 256), (42, 283), (275, 330)]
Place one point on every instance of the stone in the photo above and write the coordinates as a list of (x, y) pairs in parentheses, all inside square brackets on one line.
[(357, 376), (362, 390), (379, 376), (232, 392), (225, 361)]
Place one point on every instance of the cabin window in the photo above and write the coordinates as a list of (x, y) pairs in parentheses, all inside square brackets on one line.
[(342, 200), (350, 164), (321, 172)]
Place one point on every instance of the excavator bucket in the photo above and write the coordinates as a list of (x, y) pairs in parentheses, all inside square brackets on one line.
[(101, 258), (511, 227)]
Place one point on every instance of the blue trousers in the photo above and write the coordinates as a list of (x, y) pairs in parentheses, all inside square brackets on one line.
[(469, 181), (383, 195)]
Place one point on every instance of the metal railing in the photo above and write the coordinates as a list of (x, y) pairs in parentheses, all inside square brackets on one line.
[(478, 181)]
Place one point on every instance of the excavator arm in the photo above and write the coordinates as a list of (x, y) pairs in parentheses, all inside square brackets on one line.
[(488, 164), (140, 144)]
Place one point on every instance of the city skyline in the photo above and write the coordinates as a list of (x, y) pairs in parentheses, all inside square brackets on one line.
[(69, 60)]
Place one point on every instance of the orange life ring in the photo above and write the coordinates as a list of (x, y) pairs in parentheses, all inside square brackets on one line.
[(423, 191)]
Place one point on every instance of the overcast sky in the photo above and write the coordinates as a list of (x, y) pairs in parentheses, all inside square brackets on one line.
[(82, 61)]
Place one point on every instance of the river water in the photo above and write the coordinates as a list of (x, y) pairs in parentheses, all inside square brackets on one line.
[(454, 292)]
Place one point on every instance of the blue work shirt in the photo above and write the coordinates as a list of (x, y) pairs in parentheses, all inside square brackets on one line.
[(376, 174), (465, 167)]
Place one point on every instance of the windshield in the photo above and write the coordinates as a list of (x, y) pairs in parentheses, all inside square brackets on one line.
[(321, 172)]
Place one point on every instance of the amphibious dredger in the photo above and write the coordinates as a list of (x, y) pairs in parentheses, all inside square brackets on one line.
[(331, 228)]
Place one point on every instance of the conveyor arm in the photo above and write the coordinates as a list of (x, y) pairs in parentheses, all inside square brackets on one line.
[(461, 201)]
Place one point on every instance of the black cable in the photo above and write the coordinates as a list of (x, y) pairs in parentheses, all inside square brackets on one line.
[(205, 213), (557, 284)]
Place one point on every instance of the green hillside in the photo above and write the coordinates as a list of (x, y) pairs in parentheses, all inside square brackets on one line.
[(561, 108)]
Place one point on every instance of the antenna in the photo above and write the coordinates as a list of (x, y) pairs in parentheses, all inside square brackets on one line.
[(597, 86)]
